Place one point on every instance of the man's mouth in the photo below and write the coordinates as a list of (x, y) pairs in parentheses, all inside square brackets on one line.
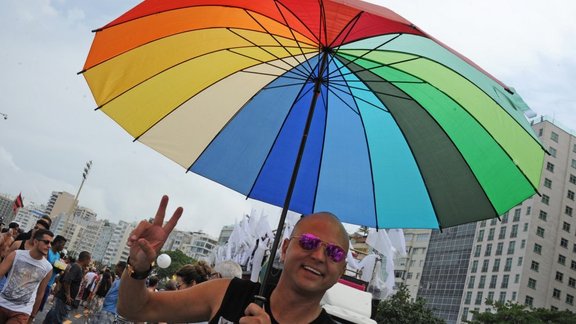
[(314, 271)]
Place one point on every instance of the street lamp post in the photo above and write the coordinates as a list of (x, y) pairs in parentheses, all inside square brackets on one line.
[(75, 203)]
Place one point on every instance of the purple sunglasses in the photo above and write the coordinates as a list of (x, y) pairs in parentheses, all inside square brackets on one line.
[(310, 242)]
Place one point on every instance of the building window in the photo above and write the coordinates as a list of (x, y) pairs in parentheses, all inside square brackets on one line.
[(496, 266), (552, 151), (508, 265), (545, 199), (517, 212), (572, 282), (556, 293), (505, 280), (488, 250), (549, 166), (537, 248), (485, 265), (474, 266), (468, 298), (483, 223), (564, 243), (543, 215), (505, 216), (511, 247), (574, 247), (493, 280), (520, 259), (569, 299), (493, 221), (531, 283), (499, 248), (471, 282), (572, 179), (554, 137), (568, 211), (574, 148), (559, 276), (478, 300), (502, 234), (480, 235), (513, 295), (528, 210), (528, 301), (482, 282), (464, 317), (491, 234), (570, 195), (502, 298), (525, 227), (540, 132), (573, 163), (514, 232), (573, 265), (535, 266), (522, 244), (566, 227), (477, 250), (540, 231), (561, 259)]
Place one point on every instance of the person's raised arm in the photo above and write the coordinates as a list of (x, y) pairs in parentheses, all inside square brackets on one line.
[(137, 303)]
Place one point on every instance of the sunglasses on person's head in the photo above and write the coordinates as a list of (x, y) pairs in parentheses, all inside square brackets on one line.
[(310, 242)]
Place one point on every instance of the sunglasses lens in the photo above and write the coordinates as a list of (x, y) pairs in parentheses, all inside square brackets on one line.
[(335, 252), (309, 242)]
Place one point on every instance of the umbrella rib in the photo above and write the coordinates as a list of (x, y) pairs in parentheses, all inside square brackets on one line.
[(372, 91), (322, 24), (368, 52), (262, 48), (278, 76), (350, 26), (293, 69), (356, 98), (275, 39), (277, 4)]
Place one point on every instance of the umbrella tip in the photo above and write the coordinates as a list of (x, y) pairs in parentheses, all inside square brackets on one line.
[(97, 29), (81, 72)]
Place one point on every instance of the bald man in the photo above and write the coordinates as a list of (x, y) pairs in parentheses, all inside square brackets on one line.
[(313, 257)]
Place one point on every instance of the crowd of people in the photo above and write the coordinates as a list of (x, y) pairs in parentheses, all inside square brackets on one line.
[(35, 271), (36, 274)]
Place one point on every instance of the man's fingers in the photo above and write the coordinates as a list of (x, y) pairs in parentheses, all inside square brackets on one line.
[(173, 220), (161, 212), (148, 250), (137, 232)]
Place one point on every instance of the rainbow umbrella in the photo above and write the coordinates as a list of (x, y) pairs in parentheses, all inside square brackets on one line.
[(314, 105)]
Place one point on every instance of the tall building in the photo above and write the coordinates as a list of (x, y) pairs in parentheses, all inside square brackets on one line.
[(103, 239), (197, 245), (408, 269), (528, 256), (60, 203), (28, 215), (225, 233), (6, 205), (445, 268), (117, 249)]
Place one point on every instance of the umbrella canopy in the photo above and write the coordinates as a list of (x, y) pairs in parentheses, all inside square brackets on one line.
[(400, 131)]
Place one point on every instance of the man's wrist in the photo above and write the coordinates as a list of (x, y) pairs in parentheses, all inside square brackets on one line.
[(135, 274)]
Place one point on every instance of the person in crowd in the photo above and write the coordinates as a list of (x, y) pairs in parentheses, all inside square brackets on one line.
[(89, 285), (23, 236), (102, 289), (7, 238), (152, 284), (313, 257), (53, 256), (27, 244), (107, 315), (192, 274), (170, 285), (226, 269), (65, 296), (28, 275)]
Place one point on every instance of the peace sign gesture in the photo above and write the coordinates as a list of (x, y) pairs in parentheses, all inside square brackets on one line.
[(147, 238)]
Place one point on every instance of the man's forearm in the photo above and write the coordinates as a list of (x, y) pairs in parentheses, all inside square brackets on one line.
[(132, 297)]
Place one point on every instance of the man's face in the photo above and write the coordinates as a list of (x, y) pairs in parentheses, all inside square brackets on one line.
[(43, 244), (312, 271), (59, 246)]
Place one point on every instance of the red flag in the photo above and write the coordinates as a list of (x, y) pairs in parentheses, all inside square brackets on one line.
[(18, 203)]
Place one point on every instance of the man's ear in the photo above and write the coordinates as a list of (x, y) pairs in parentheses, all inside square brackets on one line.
[(284, 249)]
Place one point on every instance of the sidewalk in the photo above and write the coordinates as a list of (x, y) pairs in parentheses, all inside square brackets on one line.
[(76, 316)]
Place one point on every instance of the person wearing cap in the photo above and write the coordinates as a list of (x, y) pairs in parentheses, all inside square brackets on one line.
[(27, 244), (26, 236)]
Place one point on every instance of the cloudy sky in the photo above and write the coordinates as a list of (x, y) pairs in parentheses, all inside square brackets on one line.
[(52, 129)]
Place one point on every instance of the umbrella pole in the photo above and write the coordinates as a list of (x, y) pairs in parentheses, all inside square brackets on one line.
[(260, 299)]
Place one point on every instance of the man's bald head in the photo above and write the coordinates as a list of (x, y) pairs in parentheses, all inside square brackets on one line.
[(326, 220)]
